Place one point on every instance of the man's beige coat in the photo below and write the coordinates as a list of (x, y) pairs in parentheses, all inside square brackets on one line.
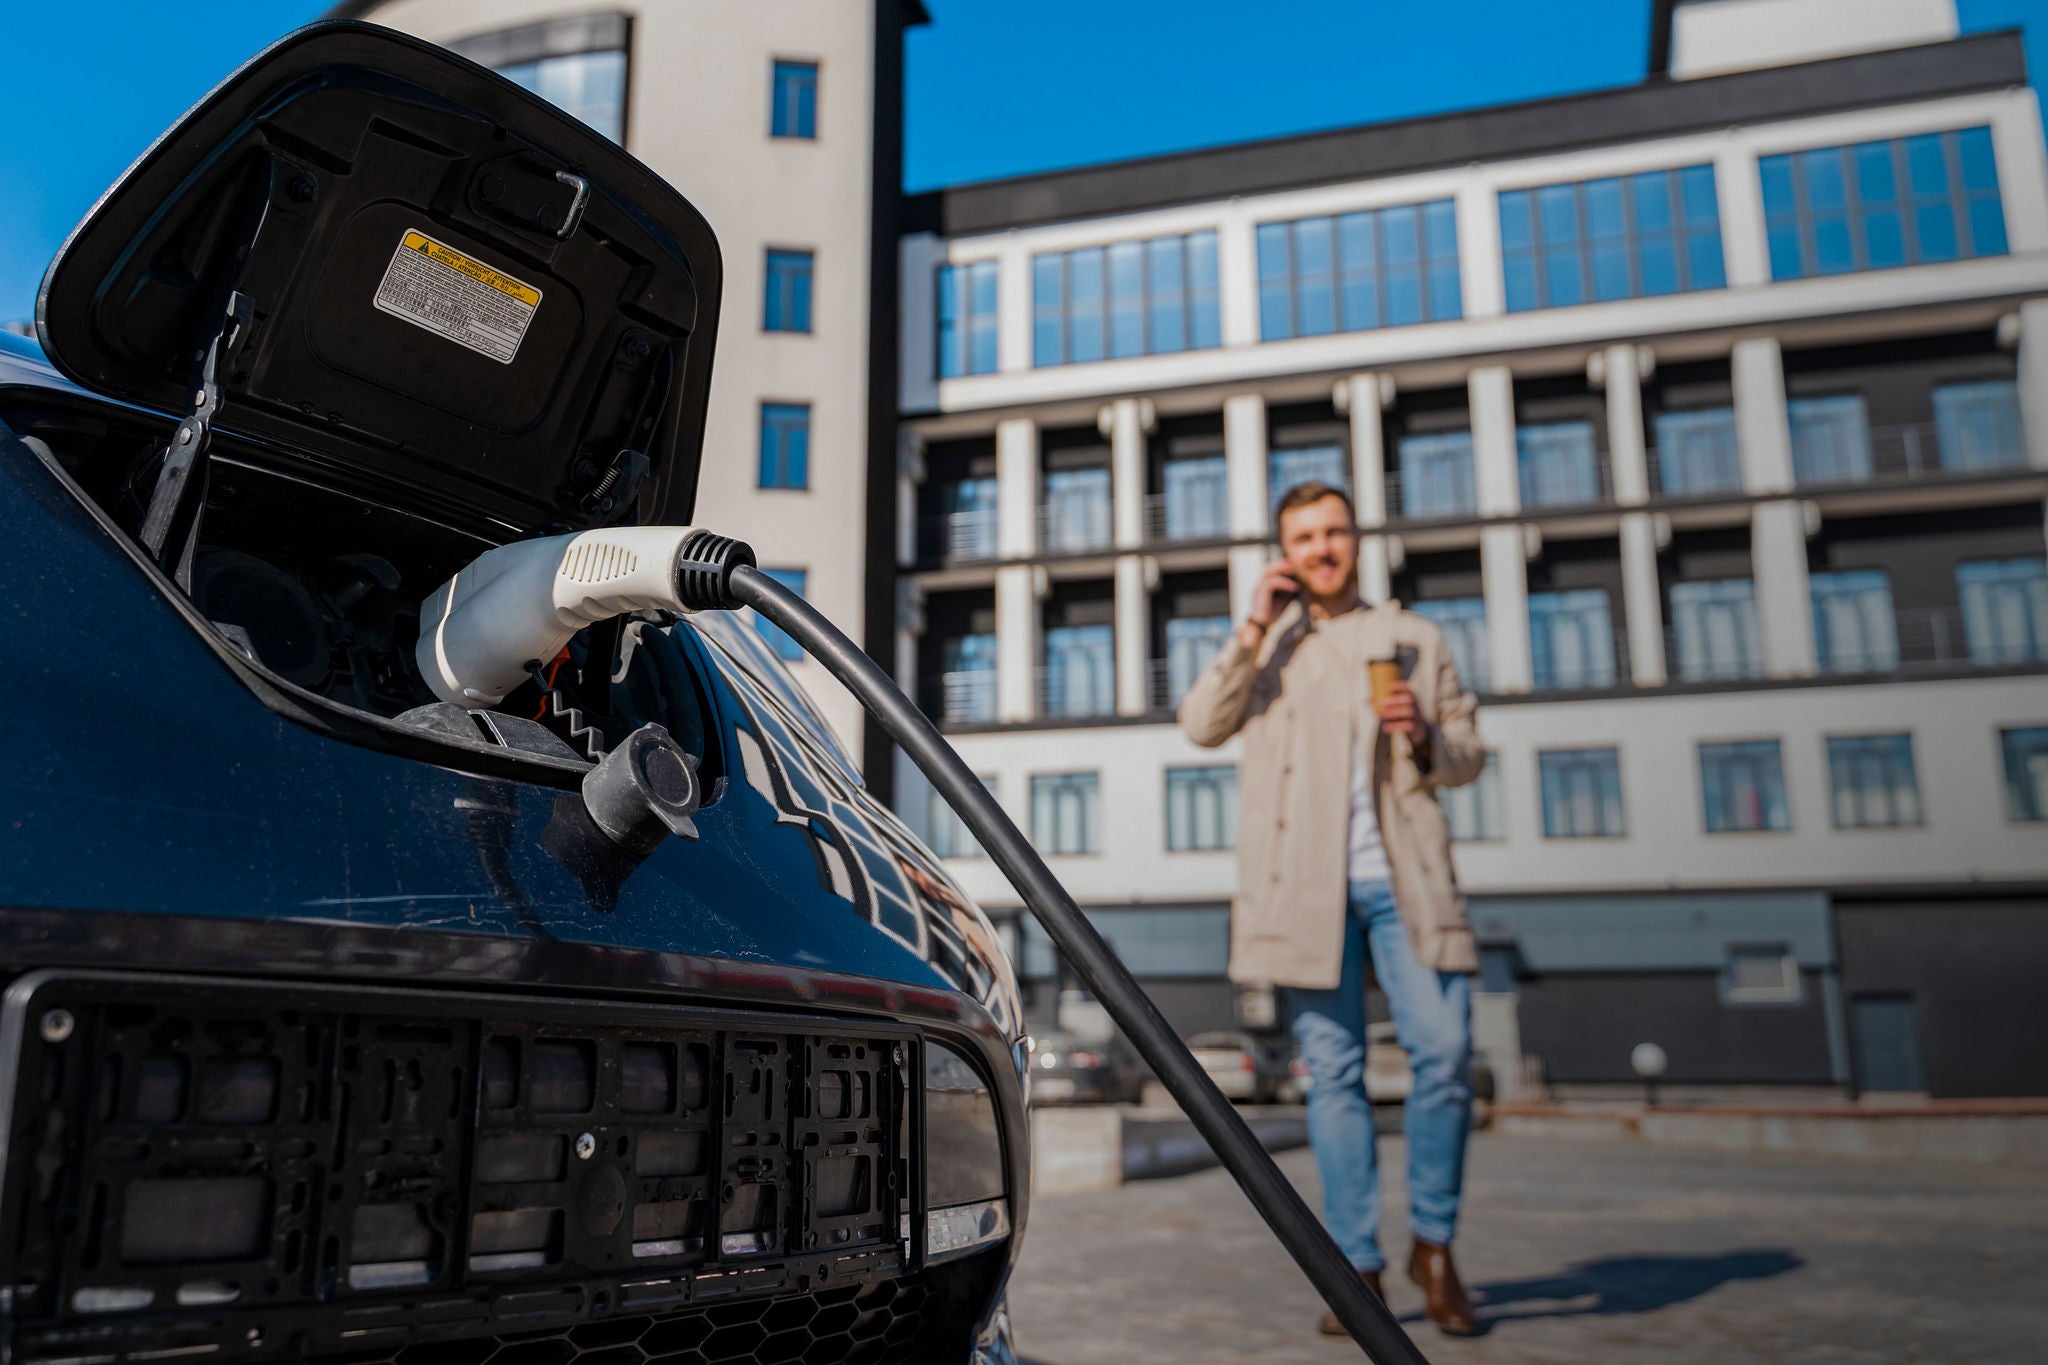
[(1300, 701)]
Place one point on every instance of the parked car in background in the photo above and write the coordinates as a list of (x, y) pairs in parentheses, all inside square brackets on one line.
[(1387, 1077), (1244, 1067), (1066, 1069)]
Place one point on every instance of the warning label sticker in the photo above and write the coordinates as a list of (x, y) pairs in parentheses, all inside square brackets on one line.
[(432, 285)]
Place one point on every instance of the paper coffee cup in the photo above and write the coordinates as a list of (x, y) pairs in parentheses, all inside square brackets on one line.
[(1382, 674)]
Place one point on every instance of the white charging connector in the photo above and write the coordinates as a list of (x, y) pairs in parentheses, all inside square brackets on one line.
[(522, 602)]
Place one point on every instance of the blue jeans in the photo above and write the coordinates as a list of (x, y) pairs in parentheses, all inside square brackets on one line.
[(1433, 1018)]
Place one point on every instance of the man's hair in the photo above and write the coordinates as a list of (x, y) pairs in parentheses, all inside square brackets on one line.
[(1313, 491)]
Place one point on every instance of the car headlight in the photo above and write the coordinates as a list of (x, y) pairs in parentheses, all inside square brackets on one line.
[(963, 1158)]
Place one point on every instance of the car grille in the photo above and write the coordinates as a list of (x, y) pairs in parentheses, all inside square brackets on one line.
[(241, 1170), (854, 1325)]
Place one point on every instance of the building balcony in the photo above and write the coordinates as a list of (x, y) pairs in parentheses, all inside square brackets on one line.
[(957, 537), (1076, 693), (963, 698), (1441, 495), (1074, 526), (1904, 454), (1929, 639), (1581, 478), (1171, 518)]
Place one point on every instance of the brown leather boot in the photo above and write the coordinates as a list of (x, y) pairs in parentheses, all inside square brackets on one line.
[(1330, 1327), (1449, 1306)]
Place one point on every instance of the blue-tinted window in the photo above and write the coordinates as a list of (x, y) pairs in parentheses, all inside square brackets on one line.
[(1064, 812), (1436, 478), (1378, 268), (1076, 511), (795, 100), (785, 445), (1876, 205), (1622, 237), (1192, 644), (1571, 639), (2005, 610), (946, 832), (1292, 465), (1558, 464), (1581, 793), (1196, 501), (967, 680), (2025, 754), (576, 63), (967, 319), (1080, 671), (1152, 297), (787, 307), (1697, 453), (1714, 627), (1854, 627), (1872, 781), (1201, 808), (778, 639), (1463, 622), (1977, 426), (1830, 439), (968, 526), (1473, 812), (1742, 787)]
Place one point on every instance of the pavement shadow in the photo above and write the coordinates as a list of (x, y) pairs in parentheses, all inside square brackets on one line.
[(1621, 1284)]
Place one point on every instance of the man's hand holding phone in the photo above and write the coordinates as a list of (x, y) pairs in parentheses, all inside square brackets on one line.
[(1276, 587)]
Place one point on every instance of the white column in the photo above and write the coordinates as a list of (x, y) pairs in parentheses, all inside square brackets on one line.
[(1017, 642), (1247, 562), (1784, 601), (1244, 463), (1363, 397), (1133, 636), (1621, 370), (909, 626), (1757, 370), (1744, 248), (2033, 377), (1013, 309), (1490, 391), (909, 474), (1642, 599), (1479, 274), (1237, 278), (1504, 575), (1016, 487), (1125, 422)]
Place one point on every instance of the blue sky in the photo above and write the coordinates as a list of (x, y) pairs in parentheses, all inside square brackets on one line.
[(995, 87)]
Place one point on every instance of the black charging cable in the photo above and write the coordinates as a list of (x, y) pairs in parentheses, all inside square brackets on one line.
[(1362, 1314)]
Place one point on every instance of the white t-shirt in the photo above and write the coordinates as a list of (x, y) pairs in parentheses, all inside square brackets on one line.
[(1368, 852)]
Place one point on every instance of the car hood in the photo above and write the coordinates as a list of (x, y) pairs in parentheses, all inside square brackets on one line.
[(447, 293)]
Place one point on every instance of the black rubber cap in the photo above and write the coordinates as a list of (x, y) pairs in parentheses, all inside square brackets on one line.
[(704, 571)]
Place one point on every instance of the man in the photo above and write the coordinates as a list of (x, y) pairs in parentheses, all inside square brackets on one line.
[(1344, 856)]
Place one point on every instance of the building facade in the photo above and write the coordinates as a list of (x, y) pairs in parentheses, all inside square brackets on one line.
[(782, 123), (1708, 417)]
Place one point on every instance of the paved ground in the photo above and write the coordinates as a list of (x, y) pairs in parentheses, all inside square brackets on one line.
[(1581, 1251)]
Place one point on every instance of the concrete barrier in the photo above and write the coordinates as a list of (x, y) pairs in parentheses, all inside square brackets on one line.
[(1968, 1133)]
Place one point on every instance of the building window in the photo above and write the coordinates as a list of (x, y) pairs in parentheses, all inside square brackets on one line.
[(1581, 791), (785, 445), (2025, 752), (967, 680), (778, 640), (970, 518), (1571, 639), (1201, 808), (949, 836), (1197, 498), (1873, 781), (1558, 464), (794, 112), (1437, 478), (1192, 644), (1830, 439), (1288, 468), (1714, 629), (1881, 204), (1380, 268), (967, 319), (576, 64), (1697, 453), (1135, 298), (2005, 610), (1760, 974), (1463, 622), (1854, 628), (1623, 237), (1977, 426), (1076, 515), (1063, 812), (1743, 787), (1080, 671), (788, 304), (1472, 812)]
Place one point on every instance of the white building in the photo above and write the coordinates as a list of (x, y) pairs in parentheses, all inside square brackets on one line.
[(1708, 415), (782, 123)]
